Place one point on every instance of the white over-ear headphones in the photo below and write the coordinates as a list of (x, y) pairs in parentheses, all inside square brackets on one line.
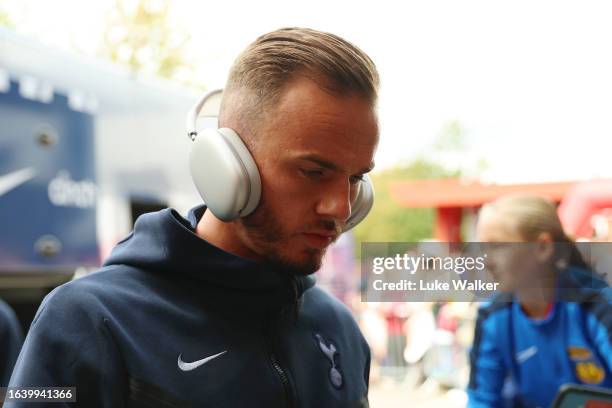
[(226, 175)]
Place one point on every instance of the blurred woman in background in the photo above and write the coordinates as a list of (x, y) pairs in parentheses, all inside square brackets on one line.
[(551, 324)]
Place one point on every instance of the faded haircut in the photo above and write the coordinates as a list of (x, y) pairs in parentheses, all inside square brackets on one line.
[(263, 70)]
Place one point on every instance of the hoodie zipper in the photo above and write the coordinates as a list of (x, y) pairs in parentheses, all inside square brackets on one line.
[(283, 375), (280, 371)]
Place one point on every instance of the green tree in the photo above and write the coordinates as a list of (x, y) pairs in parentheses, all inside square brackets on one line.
[(452, 138), (390, 222), (143, 38), (452, 148), (5, 20)]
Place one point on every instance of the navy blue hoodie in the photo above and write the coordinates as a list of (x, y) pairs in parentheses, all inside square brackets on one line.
[(11, 338), (174, 321)]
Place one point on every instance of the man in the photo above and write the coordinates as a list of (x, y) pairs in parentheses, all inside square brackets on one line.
[(202, 312)]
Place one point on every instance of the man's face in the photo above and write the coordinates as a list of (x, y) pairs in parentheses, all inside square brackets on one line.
[(312, 152)]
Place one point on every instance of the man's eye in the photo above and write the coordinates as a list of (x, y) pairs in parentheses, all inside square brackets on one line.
[(357, 179), (312, 173)]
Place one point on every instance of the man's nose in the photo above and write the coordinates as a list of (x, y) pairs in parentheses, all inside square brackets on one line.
[(335, 202)]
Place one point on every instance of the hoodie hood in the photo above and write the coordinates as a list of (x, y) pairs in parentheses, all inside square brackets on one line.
[(165, 243)]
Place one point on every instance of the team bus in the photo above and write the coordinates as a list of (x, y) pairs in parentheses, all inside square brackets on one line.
[(85, 148)]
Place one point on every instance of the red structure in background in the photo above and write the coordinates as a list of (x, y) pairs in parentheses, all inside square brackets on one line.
[(581, 202), (451, 196)]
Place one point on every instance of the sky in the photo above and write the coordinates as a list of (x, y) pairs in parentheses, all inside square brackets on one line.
[(529, 81)]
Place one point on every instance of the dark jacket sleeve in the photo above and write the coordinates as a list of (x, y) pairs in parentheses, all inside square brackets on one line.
[(69, 345), (11, 339)]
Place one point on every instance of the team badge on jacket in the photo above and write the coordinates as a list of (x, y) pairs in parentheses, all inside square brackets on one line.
[(587, 368), (330, 351)]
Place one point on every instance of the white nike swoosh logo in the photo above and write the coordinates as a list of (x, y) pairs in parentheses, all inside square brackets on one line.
[(526, 354), (13, 180), (192, 366)]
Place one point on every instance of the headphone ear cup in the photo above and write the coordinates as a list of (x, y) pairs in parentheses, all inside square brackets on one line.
[(362, 205), (225, 173)]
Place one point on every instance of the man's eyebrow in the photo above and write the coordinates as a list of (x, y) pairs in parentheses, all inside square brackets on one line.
[(329, 165)]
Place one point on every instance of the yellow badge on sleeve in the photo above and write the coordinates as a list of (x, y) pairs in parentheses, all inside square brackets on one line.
[(590, 372), (577, 353)]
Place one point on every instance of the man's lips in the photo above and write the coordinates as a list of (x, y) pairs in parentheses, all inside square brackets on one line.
[(328, 233), (320, 239)]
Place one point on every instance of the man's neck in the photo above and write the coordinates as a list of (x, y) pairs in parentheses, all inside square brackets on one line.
[(222, 235)]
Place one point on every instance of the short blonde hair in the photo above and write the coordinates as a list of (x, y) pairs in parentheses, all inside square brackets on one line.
[(261, 72)]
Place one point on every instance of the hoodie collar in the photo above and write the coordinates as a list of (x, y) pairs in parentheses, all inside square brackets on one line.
[(165, 242)]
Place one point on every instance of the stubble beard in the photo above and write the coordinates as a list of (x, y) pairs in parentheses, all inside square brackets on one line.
[(268, 238)]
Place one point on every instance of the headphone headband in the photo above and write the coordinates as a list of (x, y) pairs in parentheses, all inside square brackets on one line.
[(194, 112)]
